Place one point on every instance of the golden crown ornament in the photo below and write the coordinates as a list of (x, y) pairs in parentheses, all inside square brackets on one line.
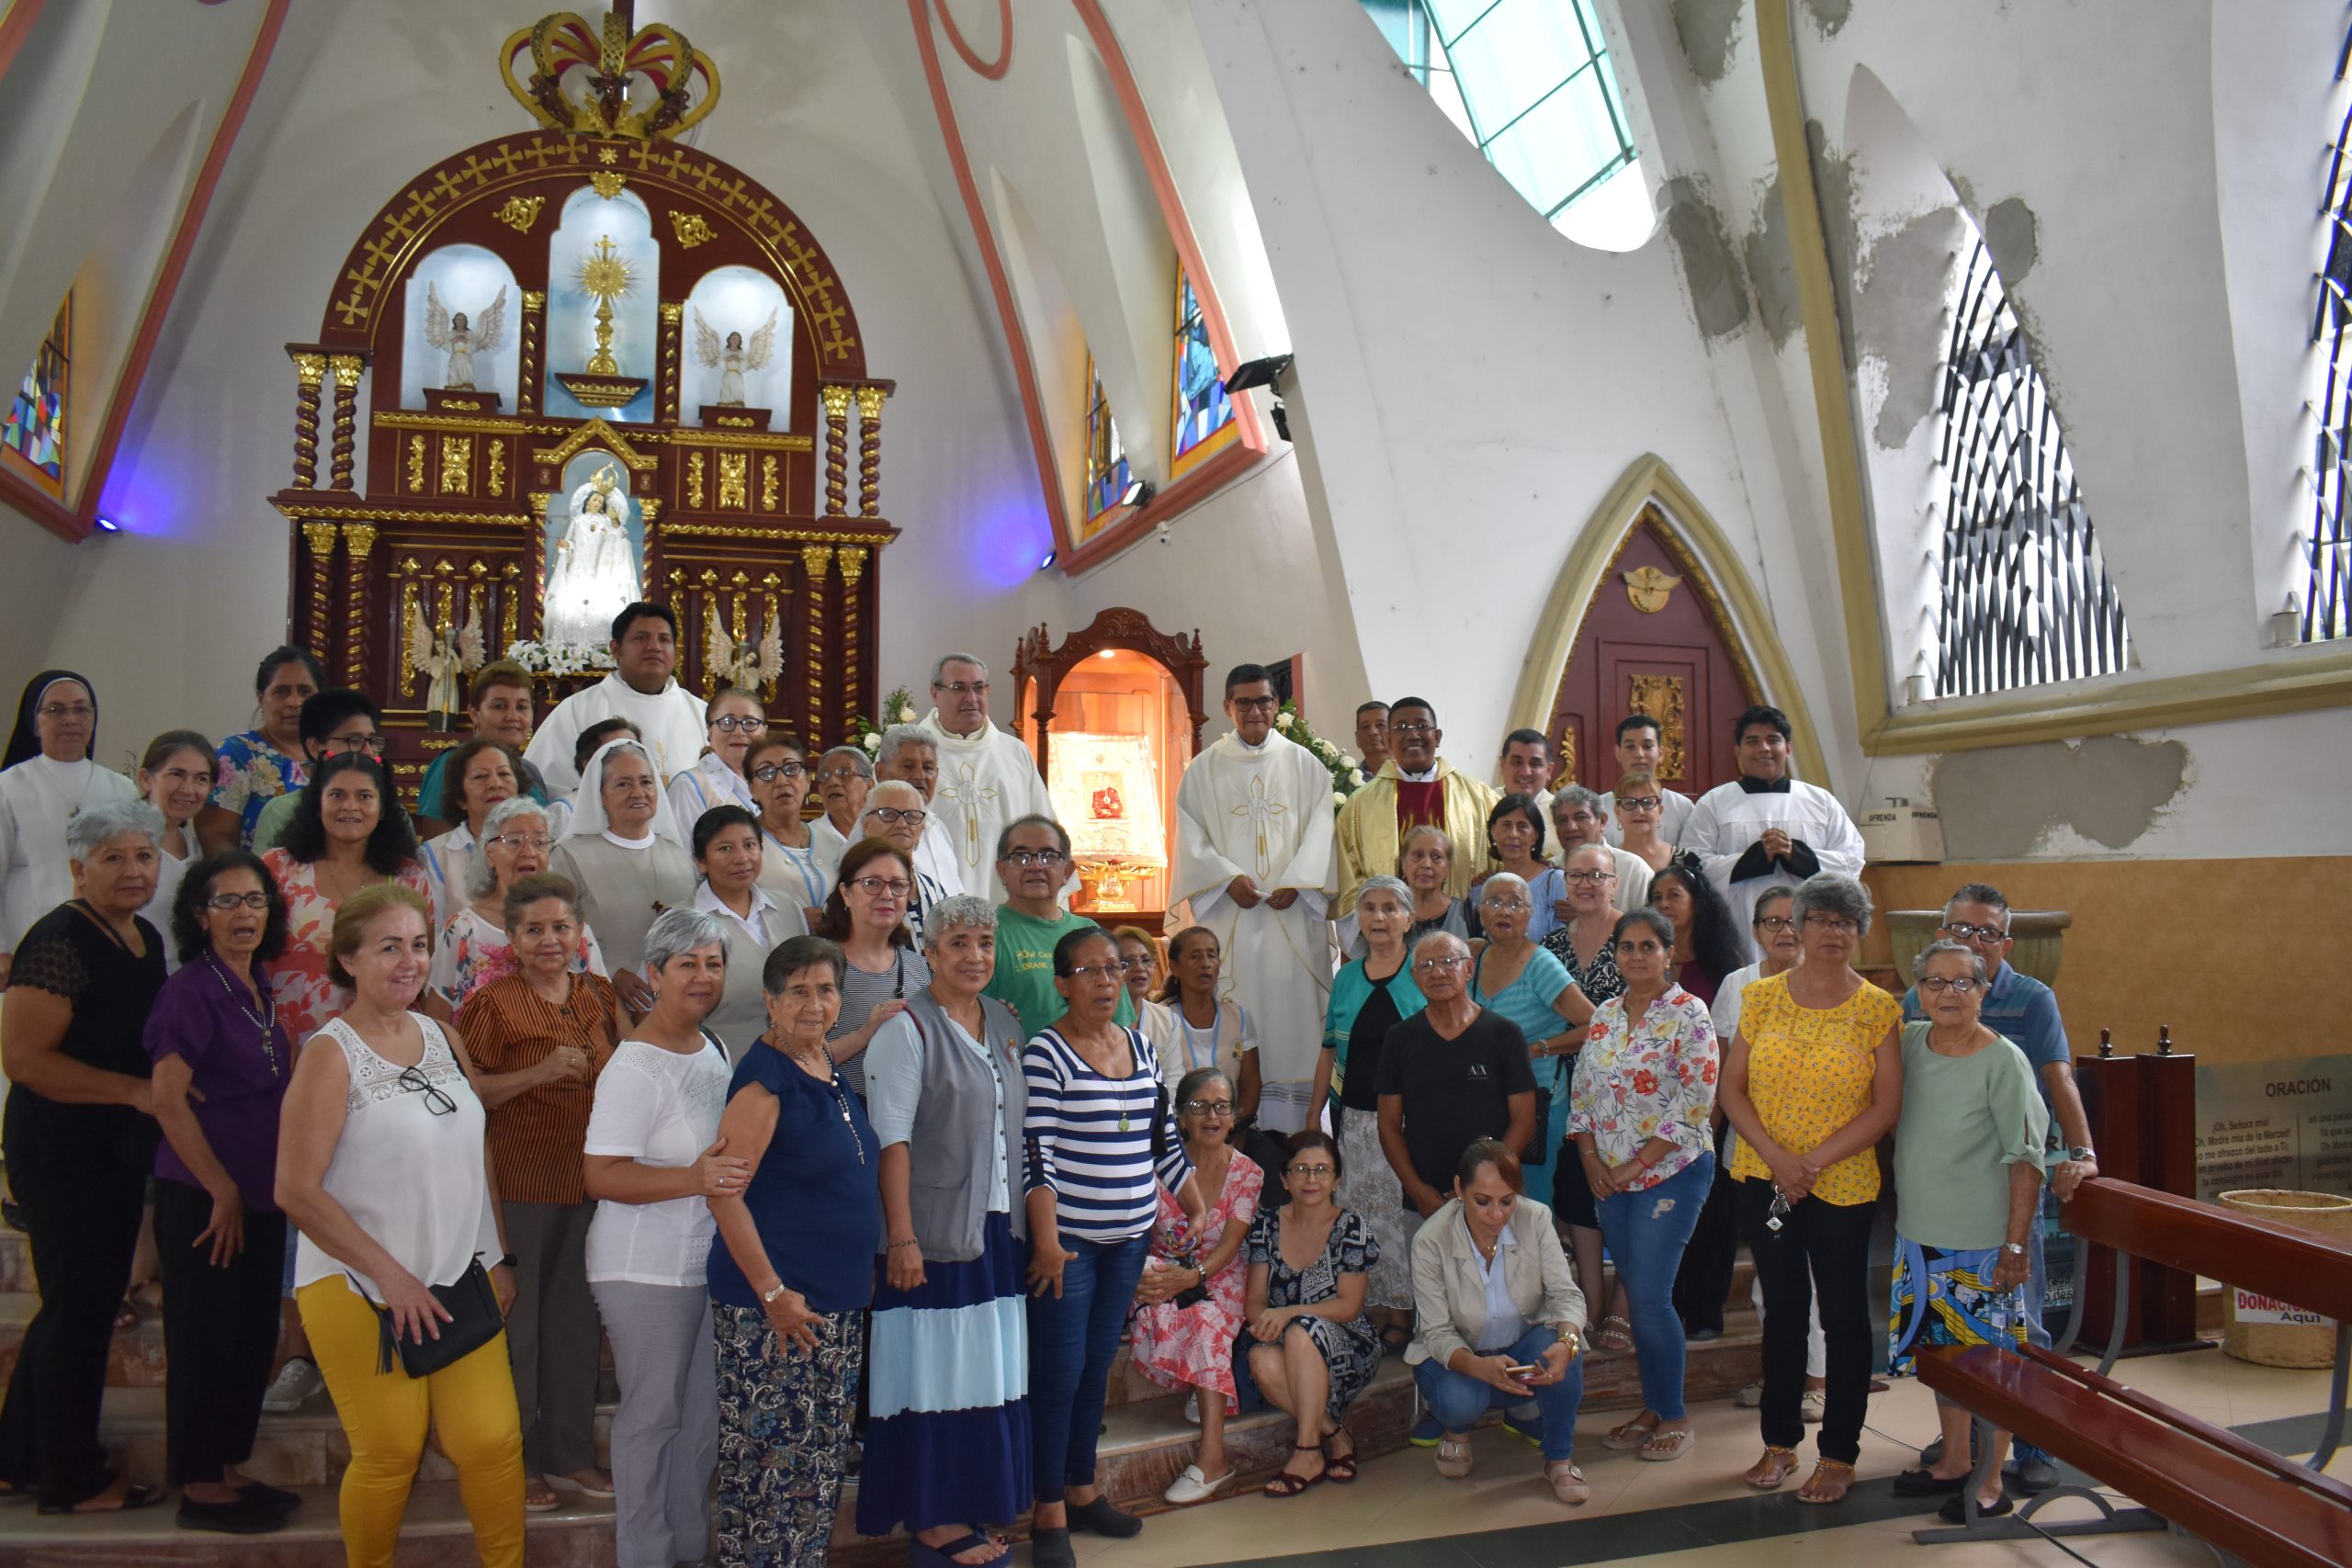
[(608, 60)]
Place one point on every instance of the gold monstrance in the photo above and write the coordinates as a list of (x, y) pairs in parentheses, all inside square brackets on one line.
[(603, 276)]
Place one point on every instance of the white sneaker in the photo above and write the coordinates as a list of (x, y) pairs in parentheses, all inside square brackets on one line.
[(296, 1382), (1750, 1397), (1193, 1487), (1815, 1404), (1192, 1407)]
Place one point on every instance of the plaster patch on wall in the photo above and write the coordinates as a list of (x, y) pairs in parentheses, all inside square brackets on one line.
[(2010, 234), (1900, 316), (1771, 269), (2000, 803), (1829, 14), (1710, 266), (1709, 31), (1833, 187)]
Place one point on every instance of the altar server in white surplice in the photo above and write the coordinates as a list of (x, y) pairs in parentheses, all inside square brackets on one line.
[(668, 717), (1255, 856), (1764, 827), (987, 777)]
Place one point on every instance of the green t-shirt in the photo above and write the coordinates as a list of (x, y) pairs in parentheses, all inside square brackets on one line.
[(1024, 967), (1965, 1120)]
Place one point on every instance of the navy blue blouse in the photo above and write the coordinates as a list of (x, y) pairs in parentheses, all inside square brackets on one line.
[(816, 1196)]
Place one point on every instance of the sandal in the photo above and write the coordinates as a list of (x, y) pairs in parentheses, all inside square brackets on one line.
[(1633, 1434), (1838, 1472), (944, 1554), (1778, 1464), (1665, 1445), (1617, 1340), (1286, 1484), (1394, 1339), (1339, 1468), (133, 1497)]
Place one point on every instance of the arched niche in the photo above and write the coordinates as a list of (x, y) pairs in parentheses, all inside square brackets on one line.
[(470, 281), (590, 220), (736, 300), (1651, 499)]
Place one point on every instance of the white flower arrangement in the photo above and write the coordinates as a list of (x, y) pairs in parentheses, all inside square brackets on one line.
[(872, 741), (905, 714), (561, 659), (1284, 720), (1343, 767)]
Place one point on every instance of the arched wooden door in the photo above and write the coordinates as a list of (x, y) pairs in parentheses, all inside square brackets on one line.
[(1653, 640)]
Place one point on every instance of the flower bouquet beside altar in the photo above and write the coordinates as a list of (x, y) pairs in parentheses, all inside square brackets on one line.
[(561, 658), (899, 707), (1293, 726)]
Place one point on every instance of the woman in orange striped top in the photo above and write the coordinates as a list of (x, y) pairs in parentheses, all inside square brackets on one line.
[(1813, 1080), (538, 1038)]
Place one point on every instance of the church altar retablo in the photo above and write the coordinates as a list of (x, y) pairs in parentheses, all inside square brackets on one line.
[(547, 440)]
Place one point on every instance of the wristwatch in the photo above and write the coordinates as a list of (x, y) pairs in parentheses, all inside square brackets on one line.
[(767, 1298), (2083, 1153), (2014, 1249)]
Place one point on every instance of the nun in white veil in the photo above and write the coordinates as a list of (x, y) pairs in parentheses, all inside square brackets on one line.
[(623, 851)]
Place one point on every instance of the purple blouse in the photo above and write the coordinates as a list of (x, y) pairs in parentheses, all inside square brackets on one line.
[(212, 1020)]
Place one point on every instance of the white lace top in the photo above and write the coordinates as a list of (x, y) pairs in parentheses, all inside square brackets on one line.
[(408, 1168)]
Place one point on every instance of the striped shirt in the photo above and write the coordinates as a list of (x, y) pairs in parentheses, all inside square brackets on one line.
[(1089, 1139), (536, 1137)]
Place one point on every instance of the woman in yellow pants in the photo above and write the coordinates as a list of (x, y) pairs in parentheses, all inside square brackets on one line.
[(382, 1166)]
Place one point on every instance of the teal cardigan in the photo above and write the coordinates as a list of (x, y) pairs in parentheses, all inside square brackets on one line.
[(1349, 989)]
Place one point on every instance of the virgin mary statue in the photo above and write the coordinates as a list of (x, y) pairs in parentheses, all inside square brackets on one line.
[(595, 574)]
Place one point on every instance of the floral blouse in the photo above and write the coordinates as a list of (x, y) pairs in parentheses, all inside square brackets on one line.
[(306, 999), (1652, 1080), (250, 772), (472, 953), (1598, 980)]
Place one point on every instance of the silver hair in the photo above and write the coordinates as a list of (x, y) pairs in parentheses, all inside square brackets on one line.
[(1607, 859), (96, 825), (624, 749), (1942, 945), (1439, 936), (855, 754), (481, 880), (675, 931), (899, 737), (1385, 884), (939, 670), (1831, 893), (1424, 829), (1778, 890), (965, 911), (1578, 794), (881, 785), (1504, 881)]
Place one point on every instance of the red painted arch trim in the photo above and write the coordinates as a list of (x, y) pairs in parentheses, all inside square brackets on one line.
[(1003, 62), (167, 277)]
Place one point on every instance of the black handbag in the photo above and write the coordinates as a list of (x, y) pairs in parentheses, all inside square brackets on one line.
[(474, 1322)]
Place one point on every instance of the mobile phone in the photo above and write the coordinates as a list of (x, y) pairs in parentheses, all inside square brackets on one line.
[(1520, 1372)]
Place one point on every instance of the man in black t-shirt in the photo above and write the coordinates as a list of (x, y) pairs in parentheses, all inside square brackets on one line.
[(1450, 1075)]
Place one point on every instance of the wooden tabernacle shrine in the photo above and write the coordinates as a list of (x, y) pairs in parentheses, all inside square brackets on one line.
[(588, 335)]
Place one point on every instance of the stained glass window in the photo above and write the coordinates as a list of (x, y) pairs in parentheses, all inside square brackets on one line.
[(34, 436), (1204, 412), (1106, 456), (2327, 549), (1531, 83)]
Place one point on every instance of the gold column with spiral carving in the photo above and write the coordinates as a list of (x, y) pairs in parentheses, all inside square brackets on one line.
[(510, 604), (534, 311), (673, 330), (853, 564), (320, 537), (816, 561), (869, 449), (358, 539), (836, 404), (346, 416), (310, 370)]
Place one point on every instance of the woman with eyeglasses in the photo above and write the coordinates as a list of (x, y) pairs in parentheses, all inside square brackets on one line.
[(628, 856), (1586, 945), (1189, 1305), (486, 773), (539, 1037), (1968, 1157), (793, 1273), (347, 833), (734, 722), (1313, 1350), (49, 772), (1641, 814), (865, 915), (383, 1167), (1515, 835), (1641, 1103), (176, 778), (844, 774), (1370, 997), (792, 865), (1813, 1080), (1513, 976), (947, 1454), (474, 948), (222, 1063), (1580, 816), (1100, 1143), (727, 853)]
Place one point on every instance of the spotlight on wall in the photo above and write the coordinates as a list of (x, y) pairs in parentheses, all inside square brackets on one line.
[(1138, 492), (1050, 555), (108, 526), (1256, 373)]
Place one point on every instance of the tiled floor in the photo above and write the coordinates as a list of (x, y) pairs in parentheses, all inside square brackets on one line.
[(1658, 1510)]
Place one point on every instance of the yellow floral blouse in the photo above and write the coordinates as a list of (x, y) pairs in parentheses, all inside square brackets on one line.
[(1809, 1074)]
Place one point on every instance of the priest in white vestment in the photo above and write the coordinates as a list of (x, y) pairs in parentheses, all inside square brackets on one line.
[(1764, 827), (1255, 859), (987, 777), (640, 689)]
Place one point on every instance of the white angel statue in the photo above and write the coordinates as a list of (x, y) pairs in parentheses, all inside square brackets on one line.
[(595, 570), (460, 341), (743, 663), (731, 359), (442, 658)]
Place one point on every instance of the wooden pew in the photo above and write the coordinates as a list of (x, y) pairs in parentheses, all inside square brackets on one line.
[(2247, 1501)]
